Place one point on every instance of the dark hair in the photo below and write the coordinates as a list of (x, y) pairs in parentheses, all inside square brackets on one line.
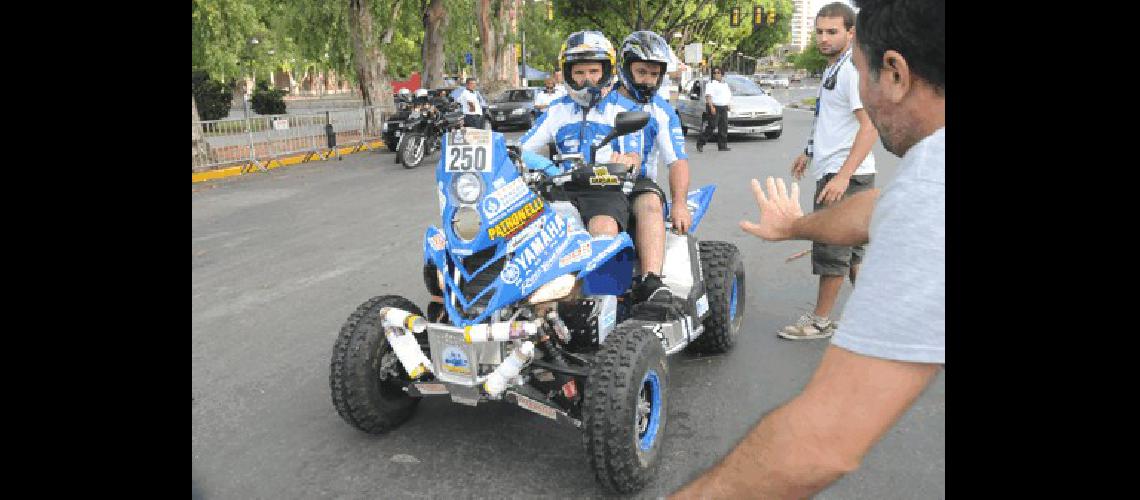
[(716, 69), (838, 9), (914, 28), (468, 80)]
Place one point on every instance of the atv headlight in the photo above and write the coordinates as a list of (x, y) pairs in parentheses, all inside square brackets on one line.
[(556, 289), (465, 223), (467, 187)]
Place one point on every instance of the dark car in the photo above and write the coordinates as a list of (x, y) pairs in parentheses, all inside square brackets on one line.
[(512, 107)]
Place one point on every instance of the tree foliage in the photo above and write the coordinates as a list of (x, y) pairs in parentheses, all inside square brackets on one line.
[(810, 59)]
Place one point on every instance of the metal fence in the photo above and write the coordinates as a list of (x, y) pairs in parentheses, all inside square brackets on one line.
[(256, 142)]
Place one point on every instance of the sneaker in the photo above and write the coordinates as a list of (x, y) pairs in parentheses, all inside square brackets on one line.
[(808, 327), (651, 288)]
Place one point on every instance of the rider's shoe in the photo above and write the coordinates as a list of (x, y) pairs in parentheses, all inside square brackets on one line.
[(651, 288), (654, 302)]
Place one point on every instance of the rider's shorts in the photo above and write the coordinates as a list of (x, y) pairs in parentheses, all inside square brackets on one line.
[(594, 203), (836, 260), (641, 186)]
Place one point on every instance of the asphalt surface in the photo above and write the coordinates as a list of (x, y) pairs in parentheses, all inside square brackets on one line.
[(280, 260)]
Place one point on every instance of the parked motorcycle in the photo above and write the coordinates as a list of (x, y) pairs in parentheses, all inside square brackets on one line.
[(421, 132)]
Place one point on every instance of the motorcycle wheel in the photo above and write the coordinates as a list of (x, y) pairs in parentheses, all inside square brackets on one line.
[(412, 150)]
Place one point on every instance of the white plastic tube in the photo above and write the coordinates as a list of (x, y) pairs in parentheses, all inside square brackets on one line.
[(496, 382), (395, 317), (398, 325), (409, 353)]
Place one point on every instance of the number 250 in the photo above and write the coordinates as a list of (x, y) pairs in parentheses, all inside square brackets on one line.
[(476, 159)]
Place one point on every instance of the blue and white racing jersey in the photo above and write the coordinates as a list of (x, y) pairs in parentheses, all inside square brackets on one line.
[(571, 131), (664, 139)]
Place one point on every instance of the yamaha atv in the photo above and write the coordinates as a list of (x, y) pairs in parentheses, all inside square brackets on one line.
[(528, 308)]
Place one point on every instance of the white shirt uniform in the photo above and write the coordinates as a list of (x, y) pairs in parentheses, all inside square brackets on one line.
[(720, 93), (469, 97), (836, 125), (542, 98)]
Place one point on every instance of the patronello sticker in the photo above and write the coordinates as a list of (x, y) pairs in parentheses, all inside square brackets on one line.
[(517, 220)]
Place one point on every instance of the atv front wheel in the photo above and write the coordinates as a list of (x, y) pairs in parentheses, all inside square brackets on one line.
[(624, 407), (724, 280), (366, 378)]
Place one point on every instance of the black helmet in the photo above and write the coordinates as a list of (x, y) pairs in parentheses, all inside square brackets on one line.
[(586, 46), (643, 46)]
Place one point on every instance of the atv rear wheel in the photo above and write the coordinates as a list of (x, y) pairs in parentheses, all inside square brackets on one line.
[(724, 280), (366, 378), (624, 407)]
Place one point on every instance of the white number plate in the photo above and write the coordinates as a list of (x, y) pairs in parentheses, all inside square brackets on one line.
[(468, 150)]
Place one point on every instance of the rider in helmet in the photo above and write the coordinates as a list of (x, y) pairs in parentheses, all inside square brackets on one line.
[(644, 59), (585, 115)]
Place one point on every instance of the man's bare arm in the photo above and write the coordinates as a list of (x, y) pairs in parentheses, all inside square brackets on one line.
[(847, 222), (822, 434)]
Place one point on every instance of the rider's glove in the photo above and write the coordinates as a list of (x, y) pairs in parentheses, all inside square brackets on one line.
[(535, 161)]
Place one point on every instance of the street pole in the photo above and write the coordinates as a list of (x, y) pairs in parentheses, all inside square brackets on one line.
[(523, 78)]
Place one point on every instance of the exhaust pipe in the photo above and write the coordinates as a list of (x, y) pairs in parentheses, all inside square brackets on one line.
[(499, 332), (496, 382)]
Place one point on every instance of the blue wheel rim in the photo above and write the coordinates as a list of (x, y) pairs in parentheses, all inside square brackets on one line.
[(652, 385), (732, 302)]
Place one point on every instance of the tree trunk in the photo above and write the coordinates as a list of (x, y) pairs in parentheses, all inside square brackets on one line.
[(487, 44), (435, 24), (371, 63), (202, 153)]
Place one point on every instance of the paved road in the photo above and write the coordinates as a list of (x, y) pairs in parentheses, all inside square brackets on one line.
[(280, 260)]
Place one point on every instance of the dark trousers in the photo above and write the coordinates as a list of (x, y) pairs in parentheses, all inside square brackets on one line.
[(473, 121), (718, 121)]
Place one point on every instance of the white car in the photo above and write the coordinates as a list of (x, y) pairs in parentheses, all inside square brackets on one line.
[(753, 111), (773, 80)]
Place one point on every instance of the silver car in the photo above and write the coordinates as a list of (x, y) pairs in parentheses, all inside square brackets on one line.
[(753, 111)]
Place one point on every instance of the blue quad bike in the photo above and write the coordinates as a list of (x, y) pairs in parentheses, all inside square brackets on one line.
[(529, 309)]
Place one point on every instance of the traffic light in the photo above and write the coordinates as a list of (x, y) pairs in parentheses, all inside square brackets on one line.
[(771, 17), (550, 10), (734, 17), (757, 17)]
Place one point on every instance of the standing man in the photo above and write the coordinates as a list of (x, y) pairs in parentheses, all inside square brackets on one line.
[(543, 99), (718, 97), (842, 163), (645, 58), (893, 341), (559, 84), (472, 108)]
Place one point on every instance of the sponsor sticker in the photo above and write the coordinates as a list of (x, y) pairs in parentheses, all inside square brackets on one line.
[(584, 250), (455, 361), (529, 257), (504, 198), (510, 273), (702, 305), (536, 407), (602, 177), (516, 221), (428, 389), (525, 235), (438, 241)]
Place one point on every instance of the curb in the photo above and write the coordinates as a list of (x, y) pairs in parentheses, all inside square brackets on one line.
[(276, 163)]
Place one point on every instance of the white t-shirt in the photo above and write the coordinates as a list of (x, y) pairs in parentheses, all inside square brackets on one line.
[(467, 97), (544, 99), (721, 94), (898, 311), (836, 125)]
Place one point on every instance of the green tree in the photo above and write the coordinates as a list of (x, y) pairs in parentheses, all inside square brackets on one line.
[(761, 41), (810, 59)]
